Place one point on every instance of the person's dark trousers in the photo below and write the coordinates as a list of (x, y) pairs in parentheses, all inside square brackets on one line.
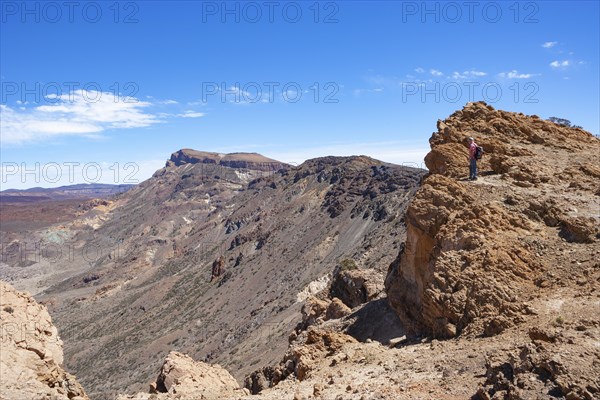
[(473, 169)]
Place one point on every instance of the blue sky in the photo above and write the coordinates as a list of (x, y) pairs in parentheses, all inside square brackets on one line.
[(106, 84)]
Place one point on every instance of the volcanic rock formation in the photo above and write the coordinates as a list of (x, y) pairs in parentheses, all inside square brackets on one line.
[(476, 252), (183, 378), (31, 353), (252, 161)]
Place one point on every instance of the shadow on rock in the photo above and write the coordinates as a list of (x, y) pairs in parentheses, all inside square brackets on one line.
[(376, 321)]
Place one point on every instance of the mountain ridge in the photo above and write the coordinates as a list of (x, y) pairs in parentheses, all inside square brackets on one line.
[(187, 244), (347, 277)]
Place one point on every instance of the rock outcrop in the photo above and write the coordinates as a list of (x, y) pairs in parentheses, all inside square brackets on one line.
[(183, 378), (356, 286), (308, 349), (31, 353), (476, 251)]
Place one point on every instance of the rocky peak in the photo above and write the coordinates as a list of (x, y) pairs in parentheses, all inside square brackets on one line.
[(503, 135), (477, 251)]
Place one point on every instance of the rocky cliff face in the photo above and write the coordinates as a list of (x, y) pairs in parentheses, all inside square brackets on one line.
[(252, 161), (31, 353), (477, 252)]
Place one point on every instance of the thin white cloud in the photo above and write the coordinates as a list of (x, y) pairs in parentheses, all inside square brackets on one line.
[(560, 64), (419, 70), (468, 74), (435, 72), (477, 73), (78, 113), (191, 114), (514, 74), (169, 101), (548, 45)]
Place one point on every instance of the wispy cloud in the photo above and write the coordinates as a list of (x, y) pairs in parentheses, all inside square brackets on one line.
[(468, 74), (548, 45), (191, 114), (419, 70), (78, 113), (435, 72), (560, 64), (514, 74)]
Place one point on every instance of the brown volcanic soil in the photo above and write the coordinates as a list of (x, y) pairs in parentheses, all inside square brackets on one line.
[(341, 368), (37, 208), (29, 216)]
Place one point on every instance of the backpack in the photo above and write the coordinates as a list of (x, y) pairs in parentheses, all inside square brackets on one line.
[(479, 153)]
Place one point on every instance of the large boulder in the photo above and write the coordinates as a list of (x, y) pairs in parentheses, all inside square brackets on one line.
[(354, 286), (183, 378)]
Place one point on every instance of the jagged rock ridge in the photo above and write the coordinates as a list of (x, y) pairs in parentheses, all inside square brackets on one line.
[(476, 252)]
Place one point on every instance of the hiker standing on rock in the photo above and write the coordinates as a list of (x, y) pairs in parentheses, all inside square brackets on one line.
[(472, 159)]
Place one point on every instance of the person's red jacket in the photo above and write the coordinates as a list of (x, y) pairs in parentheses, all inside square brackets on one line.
[(472, 150)]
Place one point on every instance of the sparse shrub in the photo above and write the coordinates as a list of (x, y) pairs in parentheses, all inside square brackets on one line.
[(559, 321), (562, 122), (348, 265), (9, 309)]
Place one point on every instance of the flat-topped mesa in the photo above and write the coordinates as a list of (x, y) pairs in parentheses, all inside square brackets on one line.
[(252, 161)]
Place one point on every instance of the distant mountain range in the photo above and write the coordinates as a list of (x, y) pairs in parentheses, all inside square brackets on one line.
[(78, 191)]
